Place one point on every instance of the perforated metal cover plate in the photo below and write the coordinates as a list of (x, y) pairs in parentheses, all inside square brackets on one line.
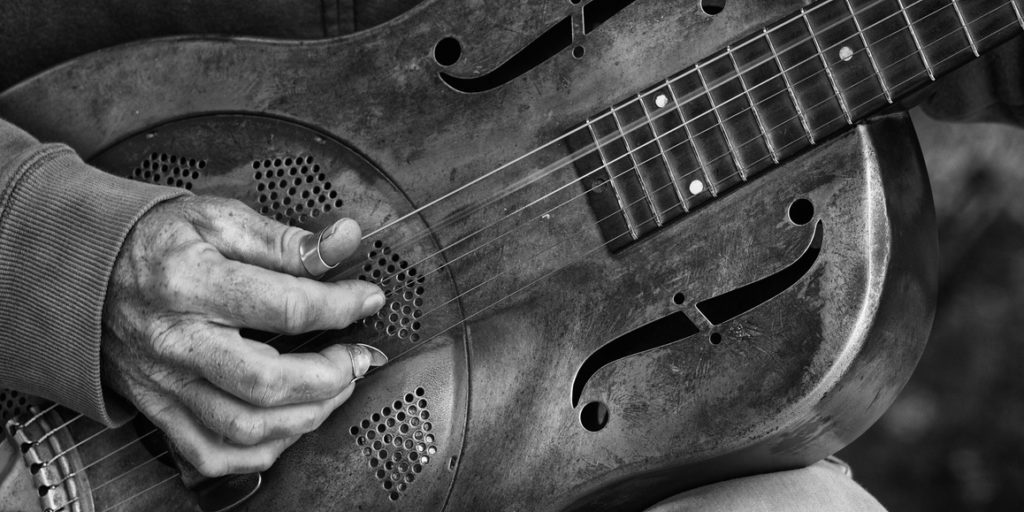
[(302, 177)]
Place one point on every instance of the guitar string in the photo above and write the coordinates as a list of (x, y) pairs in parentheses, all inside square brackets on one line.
[(400, 355), (639, 123), (561, 137), (692, 172), (629, 154), (864, 9), (96, 488), (673, 206), (140, 493), (601, 246)]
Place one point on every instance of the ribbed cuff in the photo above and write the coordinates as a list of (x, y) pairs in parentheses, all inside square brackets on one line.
[(62, 224)]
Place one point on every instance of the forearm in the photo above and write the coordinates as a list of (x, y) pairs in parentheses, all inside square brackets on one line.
[(62, 224)]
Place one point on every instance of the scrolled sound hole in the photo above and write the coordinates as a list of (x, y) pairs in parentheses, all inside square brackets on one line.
[(403, 285), (398, 442), (594, 416), (447, 51), (170, 170), (293, 189), (801, 211), (712, 7)]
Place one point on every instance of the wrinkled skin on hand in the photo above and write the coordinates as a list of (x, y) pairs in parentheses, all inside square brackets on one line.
[(193, 272)]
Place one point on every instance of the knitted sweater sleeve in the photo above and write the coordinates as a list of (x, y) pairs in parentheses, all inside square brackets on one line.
[(62, 224)]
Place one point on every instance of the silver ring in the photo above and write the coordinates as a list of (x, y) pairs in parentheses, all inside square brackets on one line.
[(309, 253)]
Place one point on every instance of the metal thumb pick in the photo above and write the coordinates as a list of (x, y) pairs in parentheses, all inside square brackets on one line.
[(309, 253), (377, 358)]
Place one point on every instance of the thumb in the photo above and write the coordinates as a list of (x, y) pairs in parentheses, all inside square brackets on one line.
[(249, 237)]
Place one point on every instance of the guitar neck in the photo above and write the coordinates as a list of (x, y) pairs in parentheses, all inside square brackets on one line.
[(773, 94)]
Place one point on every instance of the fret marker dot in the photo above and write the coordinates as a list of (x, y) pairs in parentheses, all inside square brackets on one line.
[(846, 53), (661, 101), (696, 187)]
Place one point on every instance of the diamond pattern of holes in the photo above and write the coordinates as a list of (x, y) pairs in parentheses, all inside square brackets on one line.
[(293, 189), (403, 285), (397, 442), (171, 170), (12, 404)]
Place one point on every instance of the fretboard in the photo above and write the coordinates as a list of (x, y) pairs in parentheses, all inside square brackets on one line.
[(743, 110)]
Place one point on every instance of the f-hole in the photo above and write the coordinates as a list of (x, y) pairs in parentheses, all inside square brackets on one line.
[(712, 7), (600, 11), (554, 40), (729, 305), (671, 328)]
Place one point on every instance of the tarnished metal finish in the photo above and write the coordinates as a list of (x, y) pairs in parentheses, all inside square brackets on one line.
[(781, 385), (309, 253), (231, 146), (48, 454)]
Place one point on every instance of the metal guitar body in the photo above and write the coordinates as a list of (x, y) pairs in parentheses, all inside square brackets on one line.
[(534, 366)]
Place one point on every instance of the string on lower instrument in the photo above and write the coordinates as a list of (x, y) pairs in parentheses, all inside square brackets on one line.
[(474, 314)]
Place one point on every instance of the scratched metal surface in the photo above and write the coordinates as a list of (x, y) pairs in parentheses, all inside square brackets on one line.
[(954, 439)]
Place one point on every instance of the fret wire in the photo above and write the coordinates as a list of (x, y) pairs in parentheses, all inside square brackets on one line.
[(619, 194), (712, 187), (828, 70), (967, 31), (1016, 10), (789, 88), (917, 41), (870, 54), (750, 99), (664, 156), (636, 167), (733, 151)]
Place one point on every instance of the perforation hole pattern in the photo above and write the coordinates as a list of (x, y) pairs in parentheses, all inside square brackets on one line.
[(403, 285), (170, 170), (397, 442), (13, 404), (293, 189)]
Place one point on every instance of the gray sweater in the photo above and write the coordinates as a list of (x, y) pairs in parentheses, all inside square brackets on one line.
[(62, 223)]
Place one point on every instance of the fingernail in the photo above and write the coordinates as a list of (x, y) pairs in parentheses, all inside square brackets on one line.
[(361, 360), (373, 303), (378, 358), (336, 228)]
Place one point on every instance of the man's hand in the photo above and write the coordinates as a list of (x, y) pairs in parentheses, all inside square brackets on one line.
[(192, 272)]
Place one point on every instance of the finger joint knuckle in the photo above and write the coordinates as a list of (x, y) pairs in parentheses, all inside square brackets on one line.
[(266, 389), (296, 311), (246, 429)]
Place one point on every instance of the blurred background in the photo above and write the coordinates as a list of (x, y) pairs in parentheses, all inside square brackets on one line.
[(954, 439)]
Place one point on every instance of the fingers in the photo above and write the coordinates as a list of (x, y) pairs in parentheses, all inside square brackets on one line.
[(248, 296), (208, 451), (259, 375), (246, 424), (241, 234)]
